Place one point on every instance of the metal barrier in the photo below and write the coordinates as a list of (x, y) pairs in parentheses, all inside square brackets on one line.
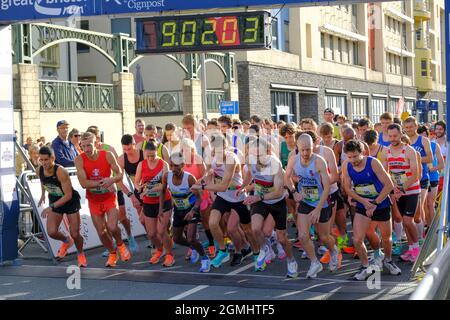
[(436, 284)]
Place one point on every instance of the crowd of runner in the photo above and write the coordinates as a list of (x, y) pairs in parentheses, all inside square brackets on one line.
[(342, 186)]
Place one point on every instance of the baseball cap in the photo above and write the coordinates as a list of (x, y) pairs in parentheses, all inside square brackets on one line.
[(328, 110), (62, 123)]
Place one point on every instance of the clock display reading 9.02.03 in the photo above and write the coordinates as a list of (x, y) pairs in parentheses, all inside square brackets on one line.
[(197, 33)]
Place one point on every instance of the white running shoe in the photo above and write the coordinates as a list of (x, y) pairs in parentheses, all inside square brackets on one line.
[(392, 268), (314, 269), (292, 268)]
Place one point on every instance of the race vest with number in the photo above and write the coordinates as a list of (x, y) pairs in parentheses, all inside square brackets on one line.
[(97, 170), (264, 178), (182, 196), (236, 180), (418, 146), (366, 183), (152, 178), (310, 184), (400, 171)]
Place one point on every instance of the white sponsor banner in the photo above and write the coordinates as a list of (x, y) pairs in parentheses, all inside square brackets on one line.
[(87, 229), (6, 155)]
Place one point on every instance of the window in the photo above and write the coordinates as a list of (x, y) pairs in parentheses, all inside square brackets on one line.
[(337, 103), (275, 34), (397, 64), (393, 105), (82, 48), (419, 34), (286, 36), (332, 47), (423, 67), (122, 25), (281, 99), (355, 53), (405, 66), (346, 50), (322, 44), (359, 107), (378, 108), (308, 41), (339, 40), (404, 38), (409, 105)]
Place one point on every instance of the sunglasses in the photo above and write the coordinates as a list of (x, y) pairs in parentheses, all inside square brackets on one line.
[(77, 135)]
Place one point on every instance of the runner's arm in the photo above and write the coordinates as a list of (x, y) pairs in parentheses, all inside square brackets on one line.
[(322, 169), (162, 196), (81, 174), (288, 175), (112, 160), (121, 184), (414, 165), (429, 155), (66, 184), (165, 154), (440, 159), (137, 177), (384, 178), (332, 164), (198, 195)]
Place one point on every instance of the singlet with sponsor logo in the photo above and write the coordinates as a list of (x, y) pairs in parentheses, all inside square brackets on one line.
[(131, 167), (159, 149), (334, 187), (434, 175), (182, 196), (152, 178), (418, 146), (236, 181), (51, 184), (264, 178), (382, 142), (310, 183), (400, 171), (366, 183), (97, 170)]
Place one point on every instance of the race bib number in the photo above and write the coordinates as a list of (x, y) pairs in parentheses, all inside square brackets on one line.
[(366, 190), (399, 178), (100, 190), (150, 193), (310, 193), (218, 180), (182, 204), (262, 190), (53, 190)]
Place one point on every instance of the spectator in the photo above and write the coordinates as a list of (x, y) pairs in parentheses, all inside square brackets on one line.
[(41, 141), (75, 137), (27, 145), (65, 152), (139, 135), (328, 116), (33, 155)]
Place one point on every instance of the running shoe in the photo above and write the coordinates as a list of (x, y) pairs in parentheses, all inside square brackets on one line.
[(377, 260), (396, 249), (195, 256), (392, 268), (155, 257), (82, 261), (406, 257), (220, 258), (125, 254), (322, 250), (246, 252), (362, 274), (169, 260), (212, 252), (292, 269), (205, 265), (314, 269), (112, 260), (304, 255), (342, 242), (414, 254), (106, 252), (132, 245), (326, 257), (281, 254), (62, 252), (270, 255), (260, 263), (335, 260), (348, 250), (237, 259), (188, 254)]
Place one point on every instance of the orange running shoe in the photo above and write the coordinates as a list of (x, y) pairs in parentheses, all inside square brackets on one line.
[(82, 261), (212, 252), (349, 250), (125, 254), (155, 257), (326, 257), (112, 260), (62, 252), (169, 260)]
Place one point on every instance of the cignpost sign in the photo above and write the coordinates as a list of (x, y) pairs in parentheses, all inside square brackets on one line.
[(31, 10)]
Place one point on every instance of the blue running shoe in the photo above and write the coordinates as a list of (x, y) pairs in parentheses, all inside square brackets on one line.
[(260, 261), (194, 256), (220, 258), (206, 265)]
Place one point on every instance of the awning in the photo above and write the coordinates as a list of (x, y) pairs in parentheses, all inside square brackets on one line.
[(400, 52), (342, 33), (362, 94), (294, 88), (377, 95), (333, 91)]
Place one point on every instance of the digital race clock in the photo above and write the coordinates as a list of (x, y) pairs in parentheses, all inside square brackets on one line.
[(211, 32)]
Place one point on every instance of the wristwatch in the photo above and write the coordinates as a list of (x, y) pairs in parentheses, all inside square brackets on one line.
[(375, 202), (129, 194), (203, 186), (262, 197)]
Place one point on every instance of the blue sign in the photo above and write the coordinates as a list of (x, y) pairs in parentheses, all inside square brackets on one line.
[(421, 105), (229, 107), (433, 106), (23, 10)]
